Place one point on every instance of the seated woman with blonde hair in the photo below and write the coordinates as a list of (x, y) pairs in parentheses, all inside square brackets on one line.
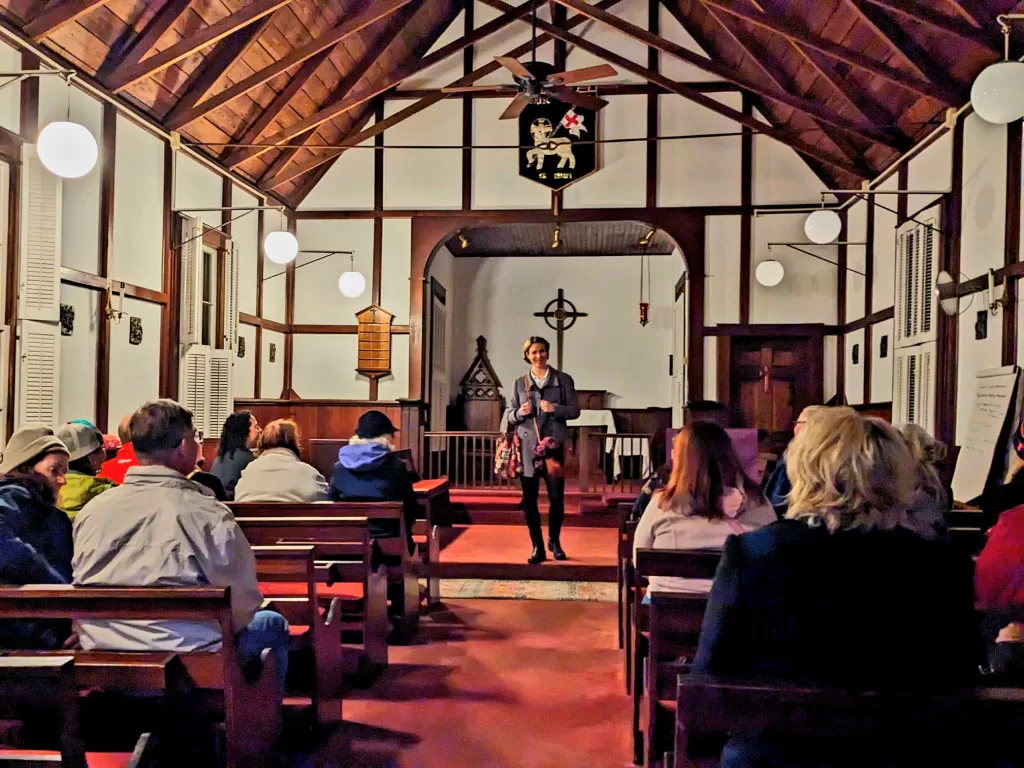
[(277, 473), (707, 498), (931, 502), (843, 593)]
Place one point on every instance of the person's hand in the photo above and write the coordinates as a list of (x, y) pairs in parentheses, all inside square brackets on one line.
[(72, 643), (546, 406), (526, 408)]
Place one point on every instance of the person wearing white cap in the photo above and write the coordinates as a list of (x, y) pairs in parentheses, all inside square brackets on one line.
[(35, 536), (86, 456)]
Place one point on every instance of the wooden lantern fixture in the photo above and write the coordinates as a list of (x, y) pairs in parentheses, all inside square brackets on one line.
[(374, 331)]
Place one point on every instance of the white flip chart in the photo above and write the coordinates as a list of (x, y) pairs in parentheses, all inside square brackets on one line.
[(993, 400)]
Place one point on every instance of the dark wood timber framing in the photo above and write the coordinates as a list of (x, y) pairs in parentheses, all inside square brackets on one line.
[(746, 220), (869, 287), (1012, 248), (949, 327), (287, 392), (260, 259), (171, 283), (106, 254), (841, 277)]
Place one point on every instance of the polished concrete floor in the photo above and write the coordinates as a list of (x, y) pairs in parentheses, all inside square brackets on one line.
[(495, 684)]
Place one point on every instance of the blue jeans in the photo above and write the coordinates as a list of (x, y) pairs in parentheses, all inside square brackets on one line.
[(268, 629)]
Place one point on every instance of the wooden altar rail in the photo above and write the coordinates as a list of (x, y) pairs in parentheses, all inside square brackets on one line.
[(623, 461), (465, 458)]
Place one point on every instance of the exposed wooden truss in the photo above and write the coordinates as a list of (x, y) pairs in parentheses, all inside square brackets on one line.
[(926, 14), (65, 12), (132, 49)]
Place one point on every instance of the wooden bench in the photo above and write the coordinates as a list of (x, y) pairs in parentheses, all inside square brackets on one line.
[(624, 583), (971, 721), (435, 502), (684, 564), (250, 711), (51, 679), (405, 572)]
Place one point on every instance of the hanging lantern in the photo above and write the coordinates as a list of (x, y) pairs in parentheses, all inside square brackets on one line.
[(281, 247), (352, 283), (67, 149), (645, 313)]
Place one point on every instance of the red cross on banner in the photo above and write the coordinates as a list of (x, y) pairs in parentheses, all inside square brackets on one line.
[(573, 123)]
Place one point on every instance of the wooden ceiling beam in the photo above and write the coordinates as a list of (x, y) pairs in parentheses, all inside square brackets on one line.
[(310, 182), (341, 106), (373, 13), (131, 48), (421, 104), (65, 12), (222, 58), (905, 45), (125, 76), (792, 30), (343, 89), (915, 10), (778, 93), (968, 11)]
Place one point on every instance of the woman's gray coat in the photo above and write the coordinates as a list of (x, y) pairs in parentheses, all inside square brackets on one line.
[(560, 391)]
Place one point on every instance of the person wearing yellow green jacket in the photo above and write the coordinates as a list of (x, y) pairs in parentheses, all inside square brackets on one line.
[(85, 446)]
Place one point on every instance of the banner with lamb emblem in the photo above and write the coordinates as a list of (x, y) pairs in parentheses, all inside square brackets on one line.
[(556, 141)]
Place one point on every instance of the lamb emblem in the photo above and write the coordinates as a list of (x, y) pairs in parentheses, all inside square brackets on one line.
[(546, 144)]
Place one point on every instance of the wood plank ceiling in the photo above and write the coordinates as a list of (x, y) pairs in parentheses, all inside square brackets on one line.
[(849, 83)]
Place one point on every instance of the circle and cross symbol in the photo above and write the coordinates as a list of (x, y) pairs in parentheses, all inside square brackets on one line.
[(563, 318)]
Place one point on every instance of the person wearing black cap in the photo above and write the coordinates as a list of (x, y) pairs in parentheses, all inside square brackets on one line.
[(368, 470)]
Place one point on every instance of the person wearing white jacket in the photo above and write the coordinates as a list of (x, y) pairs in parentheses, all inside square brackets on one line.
[(278, 474)]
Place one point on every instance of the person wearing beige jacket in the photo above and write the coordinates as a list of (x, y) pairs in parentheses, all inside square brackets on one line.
[(159, 529), (278, 474)]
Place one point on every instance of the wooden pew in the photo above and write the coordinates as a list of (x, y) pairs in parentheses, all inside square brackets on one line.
[(405, 573), (251, 719), (972, 721), (435, 502), (624, 583), (685, 564)]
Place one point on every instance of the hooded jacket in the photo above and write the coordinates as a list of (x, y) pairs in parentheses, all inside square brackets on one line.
[(160, 529), (278, 475), (79, 489), (35, 548), (371, 472)]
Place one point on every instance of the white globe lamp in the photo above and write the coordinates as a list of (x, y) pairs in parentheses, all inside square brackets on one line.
[(998, 93), (769, 273), (67, 149), (281, 247), (352, 284), (823, 227)]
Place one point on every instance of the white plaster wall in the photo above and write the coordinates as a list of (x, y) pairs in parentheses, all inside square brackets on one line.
[(138, 206), (781, 175), (622, 168), (442, 269), (496, 181), (396, 256), (349, 184), (78, 356), (855, 373), (633, 11), (856, 259), (10, 98), (272, 373), (831, 353), (324, 367), (881, 369), (243, 369), (710, 368), (317, 298), (274, 290), (245, 233), (883, 286), (80, 243), (196, 186), (670, 66), (424, 178), (396, 385), (722, 270), (606, 350), (134, 370), (931, 170), (692, 171), (807, 294), (973, 356)]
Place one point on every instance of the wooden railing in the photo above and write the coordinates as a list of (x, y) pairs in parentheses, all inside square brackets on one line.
[(465, 458), (615, 463)]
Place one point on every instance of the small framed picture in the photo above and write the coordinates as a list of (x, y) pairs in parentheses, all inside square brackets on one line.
[(67, 319), (135, 331), (241, 346), (273, 352)]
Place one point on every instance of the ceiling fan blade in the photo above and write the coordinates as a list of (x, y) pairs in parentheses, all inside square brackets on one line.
[(578, 99), (482, 89), (514, 66), (519, 103), (586, 73)]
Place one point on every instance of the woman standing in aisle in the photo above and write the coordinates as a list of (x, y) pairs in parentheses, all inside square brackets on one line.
[(542, 402)]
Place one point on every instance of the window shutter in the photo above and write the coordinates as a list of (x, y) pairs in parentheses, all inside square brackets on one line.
[(899, 395), (195, 384), (230, 306), (191, 277), (39, 278), (901, 290), (925, 409), (39, 373), (221, 402)]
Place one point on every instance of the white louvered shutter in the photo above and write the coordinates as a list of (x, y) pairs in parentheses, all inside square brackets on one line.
[(901, 304), (926, 389), (230, 305), (916, 261), (221, 401), (195, 384), (39, 373), (39, 274), (899, 393), (191, 280)]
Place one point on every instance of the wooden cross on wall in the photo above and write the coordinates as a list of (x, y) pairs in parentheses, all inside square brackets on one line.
[(560, 315)]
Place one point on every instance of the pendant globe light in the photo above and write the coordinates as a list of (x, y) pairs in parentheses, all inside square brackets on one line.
[(823, 227), (998, 92), (769, 273), (281, 246), (66, 148), (352, 283)]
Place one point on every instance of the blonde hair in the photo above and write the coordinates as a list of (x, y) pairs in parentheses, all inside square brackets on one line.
[(925, 448), (281, 433), (535, 340), (850, 472), (812, 412)]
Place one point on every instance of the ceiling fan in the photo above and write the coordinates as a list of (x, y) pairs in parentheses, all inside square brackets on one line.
[(537, 81)]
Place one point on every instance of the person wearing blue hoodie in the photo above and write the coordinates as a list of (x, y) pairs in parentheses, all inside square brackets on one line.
[(368, 470)]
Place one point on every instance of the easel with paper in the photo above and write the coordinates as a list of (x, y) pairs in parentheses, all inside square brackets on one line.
[(994, 400)]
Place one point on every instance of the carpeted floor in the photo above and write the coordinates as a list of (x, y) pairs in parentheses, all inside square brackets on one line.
[(495, 684), (593, 591)]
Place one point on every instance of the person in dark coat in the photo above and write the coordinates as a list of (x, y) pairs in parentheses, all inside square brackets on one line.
[(777, 485), (36, 545), (369, 470), (843, 593), (235, 451)]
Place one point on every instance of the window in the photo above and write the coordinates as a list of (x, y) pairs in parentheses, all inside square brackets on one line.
[(209, 301)]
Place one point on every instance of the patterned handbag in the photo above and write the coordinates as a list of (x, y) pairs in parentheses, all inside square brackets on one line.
[(508, 456)]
